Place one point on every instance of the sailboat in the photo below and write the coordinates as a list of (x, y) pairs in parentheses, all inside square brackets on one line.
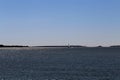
[(69, 46)]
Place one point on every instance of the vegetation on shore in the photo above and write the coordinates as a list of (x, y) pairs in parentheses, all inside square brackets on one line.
[(12, 46), (67, 46)]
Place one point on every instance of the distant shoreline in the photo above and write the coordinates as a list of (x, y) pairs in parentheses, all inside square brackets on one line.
[(64, 46), (4, 46)]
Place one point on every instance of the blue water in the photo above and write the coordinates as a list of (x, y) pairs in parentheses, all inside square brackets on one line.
[(60, 64)]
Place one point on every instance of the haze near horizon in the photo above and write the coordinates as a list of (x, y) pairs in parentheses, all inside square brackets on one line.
[(59, 22)]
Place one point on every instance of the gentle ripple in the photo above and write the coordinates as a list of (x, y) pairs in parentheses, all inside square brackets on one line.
[(60, 64)]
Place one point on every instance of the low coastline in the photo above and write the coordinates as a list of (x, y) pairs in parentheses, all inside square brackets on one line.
[(58, 46)]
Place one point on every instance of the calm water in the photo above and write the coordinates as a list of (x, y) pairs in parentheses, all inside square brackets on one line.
[(60, 64)]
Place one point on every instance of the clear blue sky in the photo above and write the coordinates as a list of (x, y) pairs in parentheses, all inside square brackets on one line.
[(59, 22)]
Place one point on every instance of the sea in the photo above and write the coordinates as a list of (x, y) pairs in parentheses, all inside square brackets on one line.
[(36, 63)]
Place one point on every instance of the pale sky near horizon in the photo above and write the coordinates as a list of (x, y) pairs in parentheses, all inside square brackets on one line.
[(59, 22)]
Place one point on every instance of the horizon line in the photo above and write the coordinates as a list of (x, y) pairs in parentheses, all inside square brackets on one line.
[(2, 45)]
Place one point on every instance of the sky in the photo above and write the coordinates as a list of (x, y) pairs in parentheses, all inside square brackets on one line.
[(59, 22)]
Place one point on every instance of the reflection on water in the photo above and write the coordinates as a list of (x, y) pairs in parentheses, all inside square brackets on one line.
[(60, 64)]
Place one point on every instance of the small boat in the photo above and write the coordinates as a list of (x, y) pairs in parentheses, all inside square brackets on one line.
[(69, 46)]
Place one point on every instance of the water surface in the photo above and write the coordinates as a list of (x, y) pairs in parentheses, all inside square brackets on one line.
[(60, 64)]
